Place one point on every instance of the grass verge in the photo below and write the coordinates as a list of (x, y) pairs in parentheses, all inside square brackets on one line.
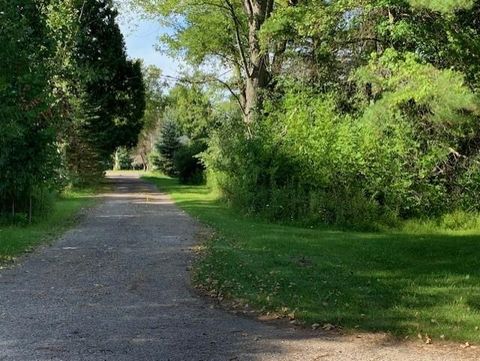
[(16, 240), (404, 283)]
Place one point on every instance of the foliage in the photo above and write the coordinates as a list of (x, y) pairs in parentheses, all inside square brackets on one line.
[(442, 5), (28, 158), (402, 156), (166, 147), (185, 120), (155, 106), (113, 88), (189, 167), (283, 179), (368, 113), (225, 33), (433, 114), (189, 106), (122, 159), (68, 97)]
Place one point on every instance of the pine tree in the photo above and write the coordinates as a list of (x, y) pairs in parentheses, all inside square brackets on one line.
[(167, 146)]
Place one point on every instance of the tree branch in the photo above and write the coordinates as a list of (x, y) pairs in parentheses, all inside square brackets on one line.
[(211, 79), (81, 10), (238, 36)]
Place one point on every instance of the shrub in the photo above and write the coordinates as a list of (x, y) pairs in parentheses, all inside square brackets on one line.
[(188, 164), (397, 158)]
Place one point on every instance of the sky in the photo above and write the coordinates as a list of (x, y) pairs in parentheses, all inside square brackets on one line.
[(141, 36)]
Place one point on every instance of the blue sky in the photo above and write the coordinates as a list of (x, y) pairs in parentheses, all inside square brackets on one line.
[(141, 36)]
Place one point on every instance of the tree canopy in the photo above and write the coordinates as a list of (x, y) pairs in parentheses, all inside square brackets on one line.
[(69, 96), (349, 111)]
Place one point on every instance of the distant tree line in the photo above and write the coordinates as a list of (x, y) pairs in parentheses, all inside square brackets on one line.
[(177, 123), (68, 98)]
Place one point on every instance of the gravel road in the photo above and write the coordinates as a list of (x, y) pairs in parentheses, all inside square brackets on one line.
[(116, 288)]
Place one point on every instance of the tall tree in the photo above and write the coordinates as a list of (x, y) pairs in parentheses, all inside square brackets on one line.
[(114, 87), (226, 32), (155, 105), (102, 90), (28, 157)]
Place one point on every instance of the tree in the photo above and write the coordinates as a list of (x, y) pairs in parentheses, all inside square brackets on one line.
[(155, 105), (191, 108), (102, 91), (66, 88), (115, 89), (372, 111), (224, 31), (166, 147), (28, 157), (122, 159)]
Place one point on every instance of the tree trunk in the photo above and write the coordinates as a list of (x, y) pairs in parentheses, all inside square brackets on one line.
[(144, 161), (30, 210), (258, 11)]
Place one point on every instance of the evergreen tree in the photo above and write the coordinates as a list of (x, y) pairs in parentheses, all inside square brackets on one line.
[(166, 147), (102, 90)]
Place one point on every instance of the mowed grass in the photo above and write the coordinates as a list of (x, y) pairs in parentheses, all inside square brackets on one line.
[(18, 239), (403, 283)]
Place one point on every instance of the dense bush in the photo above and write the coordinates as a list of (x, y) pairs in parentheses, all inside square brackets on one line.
[(29, 159), (275, 175), (401, 155), (188, 164), (68, 97)]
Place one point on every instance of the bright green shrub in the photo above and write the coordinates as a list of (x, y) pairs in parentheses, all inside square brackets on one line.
[(282, 178), (411, 134), (399, 156)]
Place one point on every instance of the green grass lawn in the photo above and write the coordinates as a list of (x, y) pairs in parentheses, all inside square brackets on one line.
[(15, 240), (403, 283)]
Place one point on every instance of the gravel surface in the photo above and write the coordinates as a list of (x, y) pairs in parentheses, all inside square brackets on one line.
[(116, 288)]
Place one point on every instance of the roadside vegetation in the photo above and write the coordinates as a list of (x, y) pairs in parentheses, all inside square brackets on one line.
[(410, 283), (350, 113), (69, 96), (332, 117), (18, 237)]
